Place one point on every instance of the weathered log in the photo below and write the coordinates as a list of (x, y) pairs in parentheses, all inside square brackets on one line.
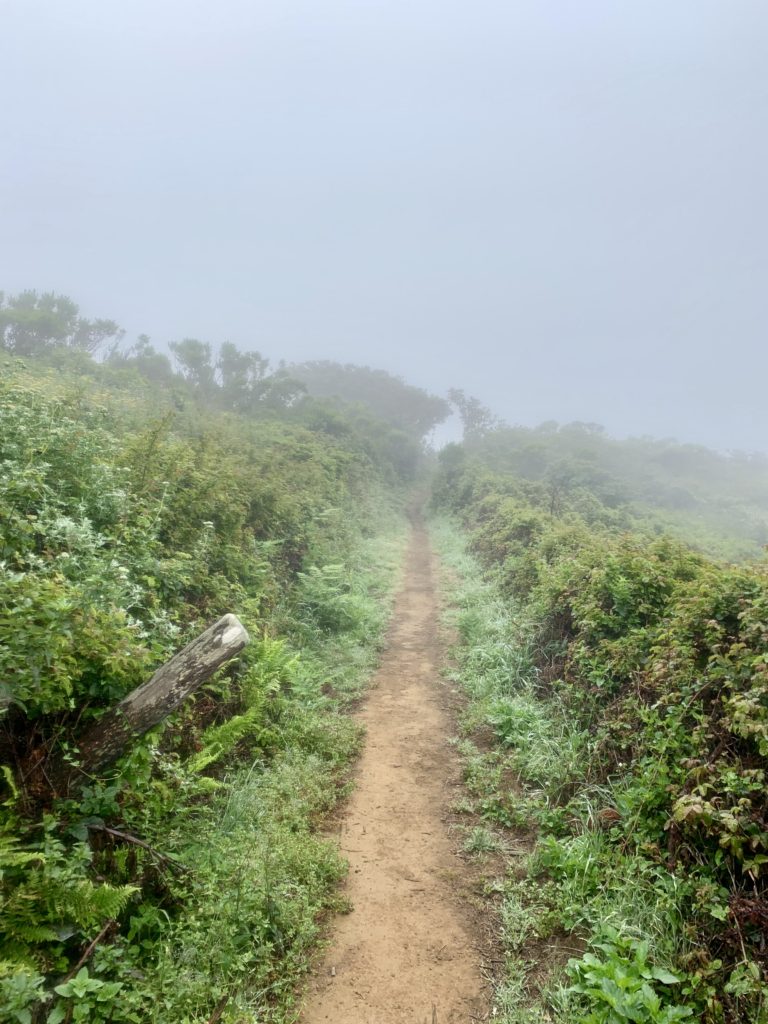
[(111, 735)]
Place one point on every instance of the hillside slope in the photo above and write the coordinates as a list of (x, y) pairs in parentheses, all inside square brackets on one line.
[(187, 877), (625, 678)]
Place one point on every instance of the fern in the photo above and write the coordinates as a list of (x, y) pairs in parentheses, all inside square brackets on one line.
[(46, 894), (272, 669), (219, 740), (16, 858), (31, 934), (91, 905)]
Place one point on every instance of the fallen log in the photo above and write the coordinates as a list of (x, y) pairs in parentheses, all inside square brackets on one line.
[(110, 736)]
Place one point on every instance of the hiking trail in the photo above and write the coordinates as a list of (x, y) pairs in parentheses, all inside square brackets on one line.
[(407, 953)]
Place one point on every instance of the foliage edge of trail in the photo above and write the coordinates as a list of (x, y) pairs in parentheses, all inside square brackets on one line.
[(126, 526), (587, 761)]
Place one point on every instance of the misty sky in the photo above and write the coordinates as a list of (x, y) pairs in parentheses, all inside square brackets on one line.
[(561, 207)]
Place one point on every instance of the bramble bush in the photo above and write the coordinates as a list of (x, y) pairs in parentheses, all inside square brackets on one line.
[(648, 670), (129, 522)]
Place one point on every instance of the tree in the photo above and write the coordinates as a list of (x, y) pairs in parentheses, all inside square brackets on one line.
[(476, 418), (389, 398), (31, 323), (281, 390), (194, 361), (90, 335), (242, 375), (146, 360)]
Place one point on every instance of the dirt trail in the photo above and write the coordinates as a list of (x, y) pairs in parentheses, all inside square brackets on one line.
[(406, 954)]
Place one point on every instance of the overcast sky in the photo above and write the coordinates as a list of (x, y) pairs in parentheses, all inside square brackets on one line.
[(559, 205)]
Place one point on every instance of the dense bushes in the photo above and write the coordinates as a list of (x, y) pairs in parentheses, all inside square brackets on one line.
[(128, 522), (650, 662), (713, 500)]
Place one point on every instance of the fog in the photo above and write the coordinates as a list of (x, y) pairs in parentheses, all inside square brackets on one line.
[(559, 207)]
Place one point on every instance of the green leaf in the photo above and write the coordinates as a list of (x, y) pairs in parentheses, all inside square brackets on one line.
[(665, 977)]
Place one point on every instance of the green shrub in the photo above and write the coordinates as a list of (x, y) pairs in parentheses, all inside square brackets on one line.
[(625, 679), (127, 524)]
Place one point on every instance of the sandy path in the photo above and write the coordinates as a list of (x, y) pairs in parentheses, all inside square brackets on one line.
[(405, 955)]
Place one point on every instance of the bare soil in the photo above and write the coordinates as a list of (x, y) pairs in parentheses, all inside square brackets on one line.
[(410, 950)]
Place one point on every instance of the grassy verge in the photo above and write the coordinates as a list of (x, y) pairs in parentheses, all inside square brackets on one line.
[(234, 877), (594, 929), (184, 882), (260, 877)]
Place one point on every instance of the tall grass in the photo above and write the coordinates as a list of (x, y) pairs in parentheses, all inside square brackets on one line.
[(574, 888), (261, 875)]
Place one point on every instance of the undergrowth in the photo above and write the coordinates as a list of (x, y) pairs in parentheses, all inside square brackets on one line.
[(187, 881), (599, 927)]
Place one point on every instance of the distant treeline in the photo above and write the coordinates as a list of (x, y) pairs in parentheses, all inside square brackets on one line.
[(380, 411), (717, 502)]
